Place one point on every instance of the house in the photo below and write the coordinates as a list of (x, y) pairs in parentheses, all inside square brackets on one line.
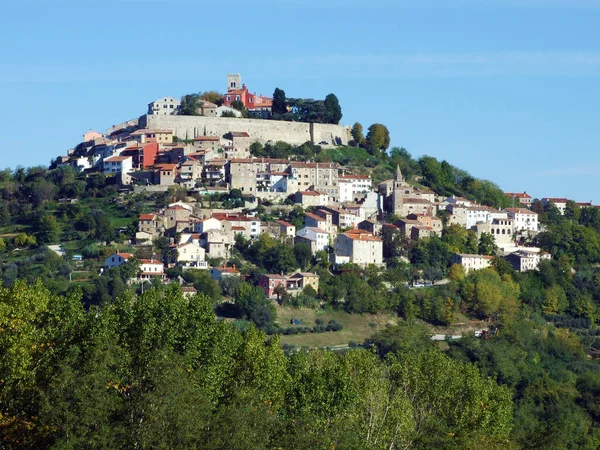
[(310, 198), (238, 145), (286, 229), (523, 219), (471, 261), (120, 166), (236, 91), (166, 174), (203, 225), (144, 135), (174, 214), (371, 226), (191, 255), (317, 238), (166, 106), (91, 136), (320, 219), (524, 260), (116, 260), (152, 224), (300, 280), (297, 281), (212, 143), (501, 229), (214, 171), (218, 273), (270, 282), (249, 226), (523, 197), (151, 268), (425, 220), (560, 203), (358, 247), (459, 201), (349, 185), (143, 155), (321, 177)]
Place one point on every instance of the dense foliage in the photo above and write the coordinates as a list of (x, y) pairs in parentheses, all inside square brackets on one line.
[(160, 371)]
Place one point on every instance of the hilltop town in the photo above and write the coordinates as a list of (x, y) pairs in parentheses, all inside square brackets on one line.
[(213, 155)]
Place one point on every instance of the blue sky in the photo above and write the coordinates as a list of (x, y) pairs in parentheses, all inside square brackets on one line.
[(505, 89)]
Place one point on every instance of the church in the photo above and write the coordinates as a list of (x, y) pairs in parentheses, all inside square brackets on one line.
[(401, 199)]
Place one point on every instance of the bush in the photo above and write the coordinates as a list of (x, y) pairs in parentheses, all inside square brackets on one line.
[(334, 325)]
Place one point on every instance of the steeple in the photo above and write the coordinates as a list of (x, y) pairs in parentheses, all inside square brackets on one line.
[(398, 176)]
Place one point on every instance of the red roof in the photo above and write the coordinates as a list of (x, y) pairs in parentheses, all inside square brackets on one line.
[(238, 228), (227, 269), (117, 159), (313, 193), (354, 177), (147, 217), (150, 261), (518, 194), (284, 223), (166, 166), (206, 138), (556, 200), (314, 216), (361, 235)]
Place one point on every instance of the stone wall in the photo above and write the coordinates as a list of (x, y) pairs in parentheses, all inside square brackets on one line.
[(189, 127)]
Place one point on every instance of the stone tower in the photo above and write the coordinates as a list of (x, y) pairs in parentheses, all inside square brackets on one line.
[(234, 81), (398, 191)]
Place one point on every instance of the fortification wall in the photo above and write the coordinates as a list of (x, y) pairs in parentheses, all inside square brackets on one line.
[(189, 127)]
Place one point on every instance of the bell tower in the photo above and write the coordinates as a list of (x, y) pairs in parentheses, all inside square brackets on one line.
[(234, 81)]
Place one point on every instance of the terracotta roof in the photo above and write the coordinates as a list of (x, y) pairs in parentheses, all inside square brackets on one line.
[(238, 228), (284, 223), (206, 138), (556, 200), (312, 193), (125, 255), (177, 208), (361, 235), (117, 159), (239, 134), (518, 194), (314, 216), (150, 261), (146, 216), (166, 166), (227, 269)]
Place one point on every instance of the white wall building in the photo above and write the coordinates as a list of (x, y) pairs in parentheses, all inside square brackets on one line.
[(317, 238), (191, 255), (349, 185), (471, 261), (523, 219), (166, 106), (119, 166), (116, 260)]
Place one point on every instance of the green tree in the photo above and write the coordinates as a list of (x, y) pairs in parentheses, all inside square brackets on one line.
[(487, 244), (378, 139), (303, 254), (279, 102), (49, 229), (333, 109), (190, 104), (357, 134)]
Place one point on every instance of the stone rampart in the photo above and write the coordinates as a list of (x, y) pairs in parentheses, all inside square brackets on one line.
[(189, 127)]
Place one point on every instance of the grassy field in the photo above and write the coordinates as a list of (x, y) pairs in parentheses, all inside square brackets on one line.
[(356, 327)]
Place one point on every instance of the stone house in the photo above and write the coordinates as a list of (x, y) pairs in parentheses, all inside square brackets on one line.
[(166, 106), (358, 247), (317, 238)]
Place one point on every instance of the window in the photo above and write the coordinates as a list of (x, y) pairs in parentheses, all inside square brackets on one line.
[(228, 98)]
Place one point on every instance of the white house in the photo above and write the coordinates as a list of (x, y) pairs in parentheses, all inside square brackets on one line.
[(116, 260), (151, 268), (80, 164), (202, 226), (119, 166), (524, 260), (349, 185), (166, 106), (560, 203), (317, 238), (191, 255), (471, 261), (358, 247), (523, 219)]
